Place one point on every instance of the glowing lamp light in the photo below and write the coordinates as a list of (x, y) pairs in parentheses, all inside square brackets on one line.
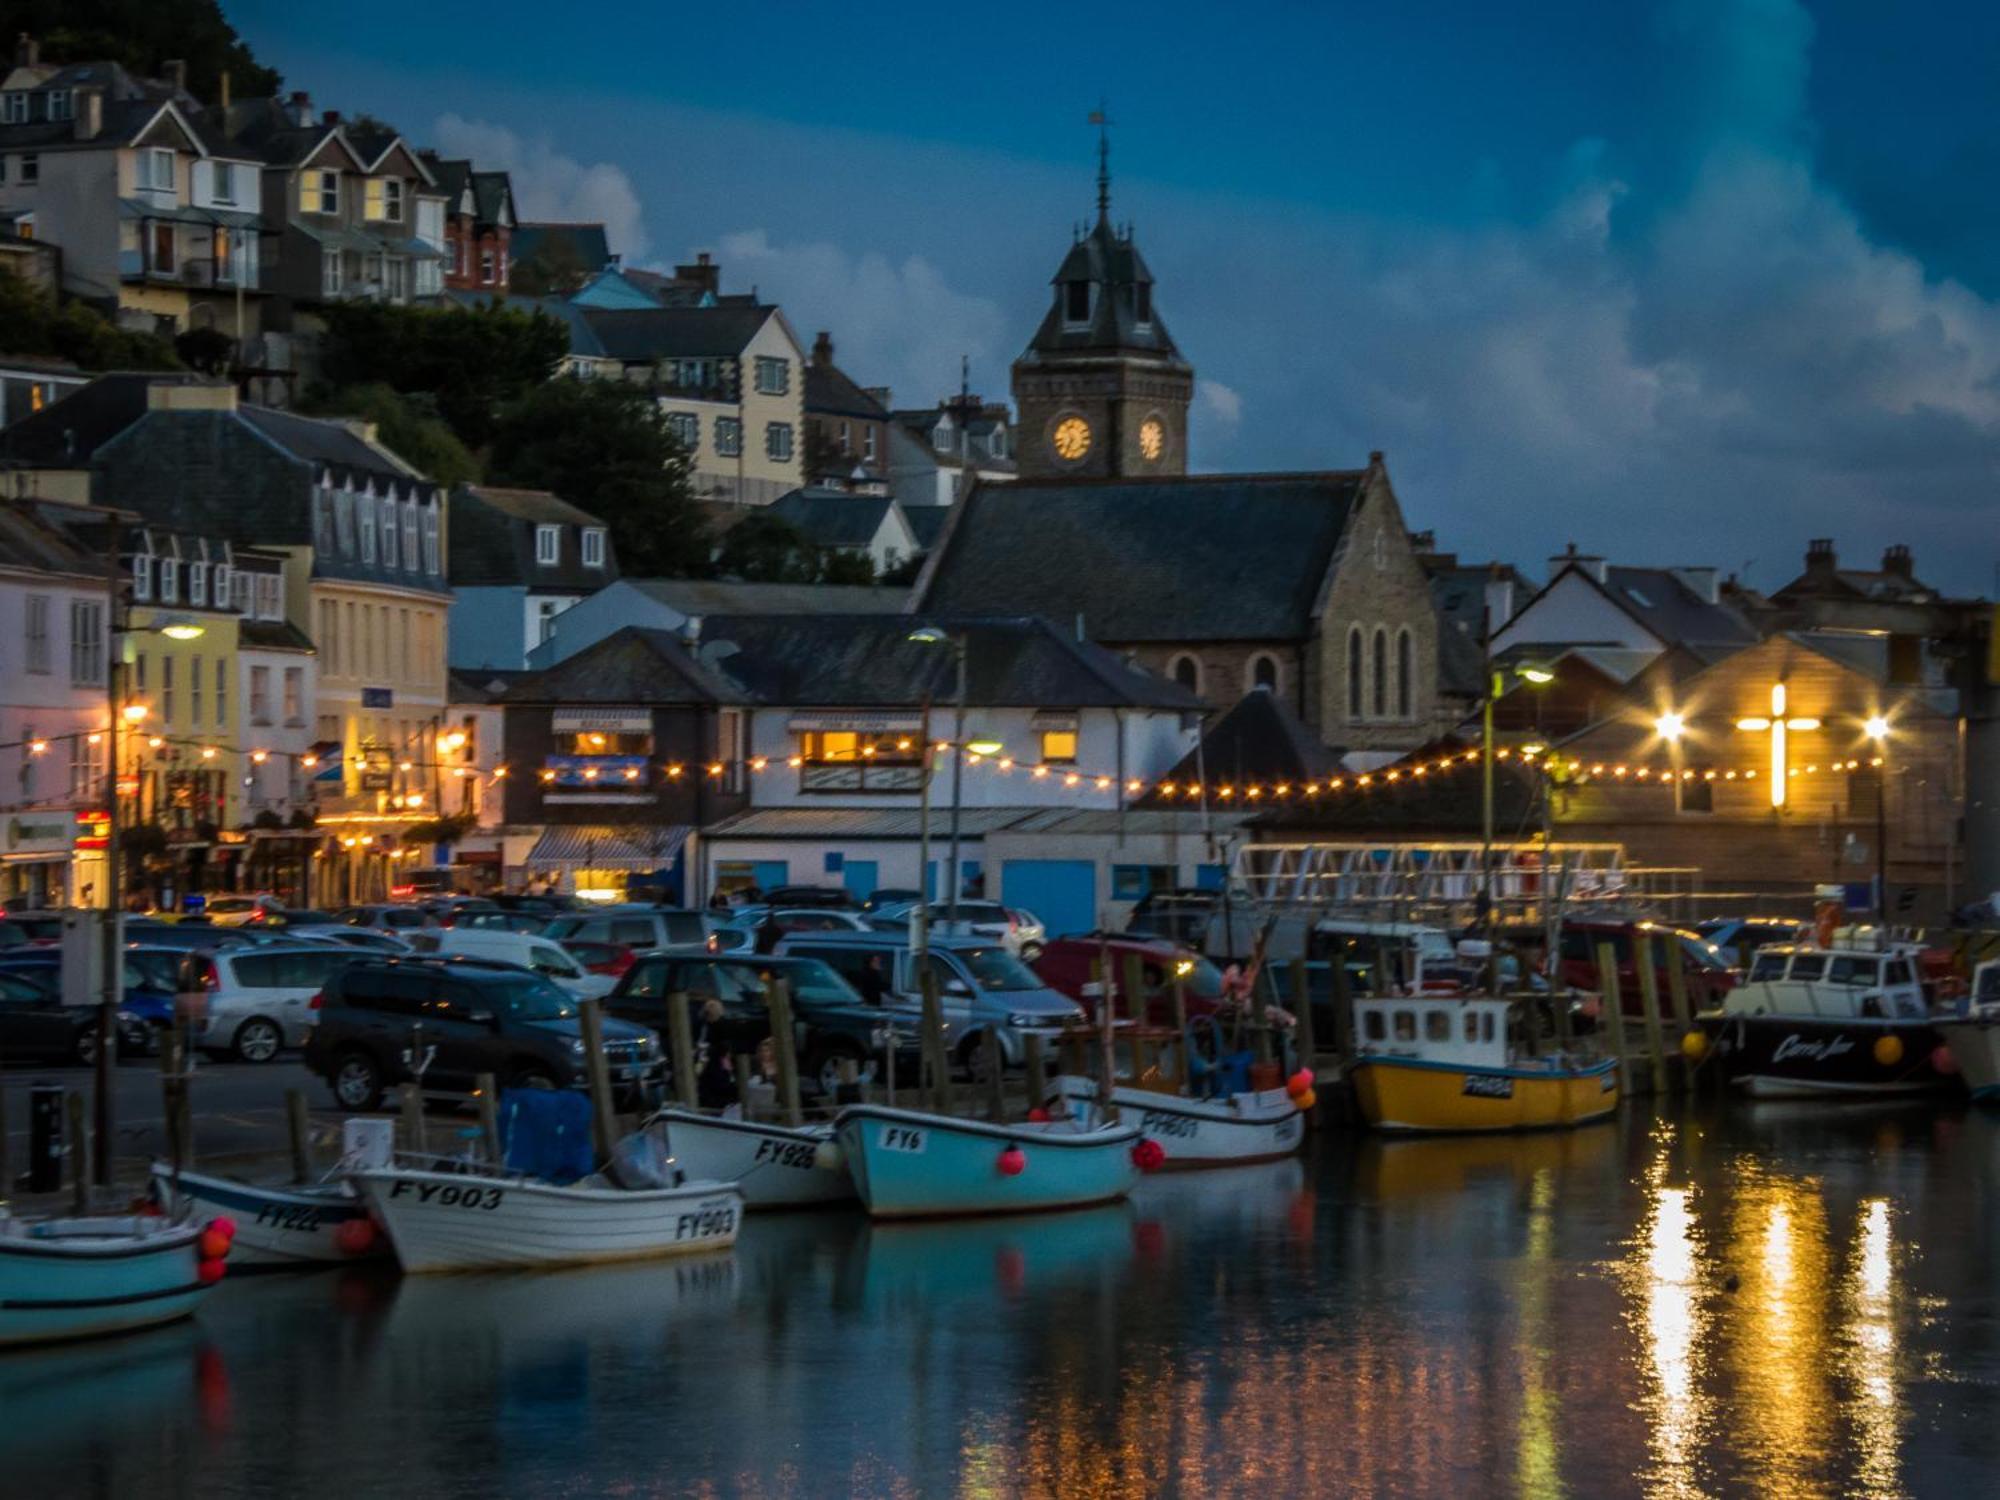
[(38, 747), (181, 630), (309, 761), (155, 742), (258, 757), (1670, 726), (208, 752), (1780, 728), (93, 739), (498, 772), (985, 747), (1876, 727), (415, 799), (135, 713), (453, 741), (1539, 676)]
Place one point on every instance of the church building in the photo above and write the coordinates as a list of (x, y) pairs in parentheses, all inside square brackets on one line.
[(1302, 584)]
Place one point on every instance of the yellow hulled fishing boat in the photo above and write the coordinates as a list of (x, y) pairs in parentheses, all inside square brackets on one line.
[(1443, 1063)]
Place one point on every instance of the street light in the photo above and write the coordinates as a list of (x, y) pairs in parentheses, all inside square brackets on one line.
[(1670, 726), (1876, 728), (1536, 676)]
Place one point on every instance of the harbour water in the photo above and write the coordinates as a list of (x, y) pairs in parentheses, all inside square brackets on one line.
[(1778, 1300)]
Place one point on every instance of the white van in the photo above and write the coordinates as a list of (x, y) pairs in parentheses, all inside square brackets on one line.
[(544, 955)]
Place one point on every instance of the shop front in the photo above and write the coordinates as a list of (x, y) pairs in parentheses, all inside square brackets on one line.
[(610, 862), (36, 856)]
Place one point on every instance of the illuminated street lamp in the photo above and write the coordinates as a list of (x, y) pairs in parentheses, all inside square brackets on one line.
[(1876, 727)]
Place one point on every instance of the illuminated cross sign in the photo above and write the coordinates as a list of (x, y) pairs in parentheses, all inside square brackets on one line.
[(1778, 726)]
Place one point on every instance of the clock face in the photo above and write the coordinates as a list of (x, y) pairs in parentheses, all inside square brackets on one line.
[(1152, 437), (1072, 438)]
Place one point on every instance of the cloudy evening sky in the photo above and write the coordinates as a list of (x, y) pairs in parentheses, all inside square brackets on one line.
[(1681, 280)]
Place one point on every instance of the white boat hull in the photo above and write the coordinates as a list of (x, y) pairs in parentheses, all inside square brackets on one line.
[(451, 1221), (1975, 1043), (275, 1226), (81, 1278), (773, 1166), (1236, 1131)]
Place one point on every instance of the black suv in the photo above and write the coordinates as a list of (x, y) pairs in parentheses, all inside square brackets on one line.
[(480, 1017), (833, 1023)]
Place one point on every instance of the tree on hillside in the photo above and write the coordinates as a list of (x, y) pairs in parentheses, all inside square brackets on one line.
[(554, 270), (408, 426), (764, 547), (604, 445), (33, 322), (141, 35), (472, 362)]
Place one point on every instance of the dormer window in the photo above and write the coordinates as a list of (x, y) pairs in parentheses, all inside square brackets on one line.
[(14, 109), (222, 584), (62, 104), (593, 546), (142, 578), (170, 581), (941, 438), (198, 584), (1076, 302), (548, 545)]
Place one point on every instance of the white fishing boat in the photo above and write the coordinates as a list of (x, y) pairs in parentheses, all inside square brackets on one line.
[(911, 1164), (452, 1216), (293, 1226), (1232, 1131), (1974, 1038), (82, 1277), (772, 1166)]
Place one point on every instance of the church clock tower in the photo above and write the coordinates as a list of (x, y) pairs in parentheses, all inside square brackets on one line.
[(1101, 390)]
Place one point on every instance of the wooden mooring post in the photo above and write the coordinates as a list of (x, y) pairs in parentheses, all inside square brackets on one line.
[(785, 1048), (680, 1042), (298, 1128), (1038, 1075), (489, 1118), (603, 1123), (937, 1062), (1611, 1018), (1649, 1006)]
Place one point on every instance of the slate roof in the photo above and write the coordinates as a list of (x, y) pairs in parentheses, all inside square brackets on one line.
[(634, 665), (870, 660), (588, 241), (1676, 613), (1260, 739), (480, 685), (834, 518), (492, 534), (650, 333), (830, 392), (1194, 558), (129, 105), (452, 174), (65, 433), (669, 291), (332, 445), (926, 523), (31, 541), (272, 635), (1113, 265), (702, 597), (492, 195)]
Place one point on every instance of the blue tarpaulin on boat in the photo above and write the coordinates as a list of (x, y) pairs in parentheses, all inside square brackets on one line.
[(546, 1133)]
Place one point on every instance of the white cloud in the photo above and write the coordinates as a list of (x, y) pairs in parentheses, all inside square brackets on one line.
[(894, 322), (1218, 409), (549, 185)]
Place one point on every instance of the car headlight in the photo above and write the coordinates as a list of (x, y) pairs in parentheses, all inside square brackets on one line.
[(576, 1047), (648, 1047), (1025, 1020)]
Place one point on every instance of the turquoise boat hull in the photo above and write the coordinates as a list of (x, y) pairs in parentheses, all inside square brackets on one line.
[(910, 1165), (80, 1278)]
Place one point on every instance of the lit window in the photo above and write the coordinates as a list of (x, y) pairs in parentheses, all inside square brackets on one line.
[(319, 192), (382, 199), (1059, 747)]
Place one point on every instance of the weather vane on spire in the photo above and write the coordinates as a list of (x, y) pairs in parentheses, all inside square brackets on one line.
[(1101, 118)]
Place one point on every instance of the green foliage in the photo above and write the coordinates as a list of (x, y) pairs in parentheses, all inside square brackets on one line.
[(555, 270), (904, 574), (141, 35), (32, 322), (846, 567), (408, 426), (766, 548), (471, 362), (604, 445), (208, 350)]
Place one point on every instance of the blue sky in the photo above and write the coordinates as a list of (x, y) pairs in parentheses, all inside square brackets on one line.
[(1685, 281)]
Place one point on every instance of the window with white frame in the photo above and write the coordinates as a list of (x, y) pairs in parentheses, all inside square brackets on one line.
[(546, 611), (486, 267), (270, 596), (194, 692), (433, 558), (198, 584), (329, 273), (142, 578), (868, 441), (222, 182), (396, 285), (170, 580), (14, 108), (430, 278), (319, 192), (686, 428), (260, 695), (62, 104), (382, 200), (548, 545), (343, 521), (778, 440), (222, 692), (774, 376), (86, 643), (222, 585), (156, 171), (368, 544), (387, 516), (728, 436), (593, 546), (410, 536), (295, 695)]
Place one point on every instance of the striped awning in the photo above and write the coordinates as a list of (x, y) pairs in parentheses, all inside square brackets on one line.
[(605, 846)]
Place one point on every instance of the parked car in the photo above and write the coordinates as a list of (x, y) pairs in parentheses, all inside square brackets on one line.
[(479, 1017), (601, 958), (1739, 938), (187, 936), (739, 935), (256, 1001), (835, 1024), (540, 955), (35, 926), (449, 911), (147, 991), (294, 918), (890, 895), (35, 1026), (394, 917), (640, 927), (499, 919), (1067, 965), (364, 939), (1182, 913), (240, 911), (808, 895), (1021, 930), (983, 987), (550, 904)]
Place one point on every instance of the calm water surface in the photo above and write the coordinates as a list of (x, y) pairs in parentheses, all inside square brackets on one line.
[(1541, 1316)]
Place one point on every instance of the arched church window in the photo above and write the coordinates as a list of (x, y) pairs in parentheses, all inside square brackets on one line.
[(1379, 699), (1354, 674), (1186, 671), (1264, 672), (1406, 688)]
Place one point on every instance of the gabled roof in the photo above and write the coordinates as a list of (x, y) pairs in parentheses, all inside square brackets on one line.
[(493, 540), (1260, 740), (649, 333), (702, 597), (30, 541), (834, 518), (493, 198), (633, 665), (65, 433), (1661, 603), (670, 291), (1111, 263), (587, 242), (1186, 558), (870, 660), (926, 523), (829, 392)]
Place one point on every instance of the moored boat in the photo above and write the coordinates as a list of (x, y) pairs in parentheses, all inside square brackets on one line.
[(1974, 1037), (77, 1278), (468, 1218), (772, 1166), (1814, 1020), (911, 1164), (292, 1226), (1235, 1130), (1437, 1063)]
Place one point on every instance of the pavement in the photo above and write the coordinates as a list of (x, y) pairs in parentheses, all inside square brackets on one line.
[(239, 1111)]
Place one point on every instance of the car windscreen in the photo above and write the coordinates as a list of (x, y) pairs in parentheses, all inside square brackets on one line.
[(996, 970), (817, 983), (525, 997), (1769, 965)]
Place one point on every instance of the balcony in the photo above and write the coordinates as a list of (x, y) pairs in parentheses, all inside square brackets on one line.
[(194, 272), (599, 775), (861, 776)]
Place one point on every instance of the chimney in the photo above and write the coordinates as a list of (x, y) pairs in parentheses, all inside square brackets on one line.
[(89, 123), (1704, 582), (175, 71), (1819, 558), (331, 117), (1499, 598), (299, 108), (1897, 560), (170, 395), (1594, 566), (27, 51), (691, 631), (704, 273), (880, 393), (822, 356)]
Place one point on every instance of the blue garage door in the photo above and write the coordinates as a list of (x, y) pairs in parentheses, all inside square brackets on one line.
[(1062, 892)]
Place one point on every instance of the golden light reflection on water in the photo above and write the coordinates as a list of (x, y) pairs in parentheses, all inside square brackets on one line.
[(1675, 1325), (1538, 1456), (1781, 1404), (1875, 1414)]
